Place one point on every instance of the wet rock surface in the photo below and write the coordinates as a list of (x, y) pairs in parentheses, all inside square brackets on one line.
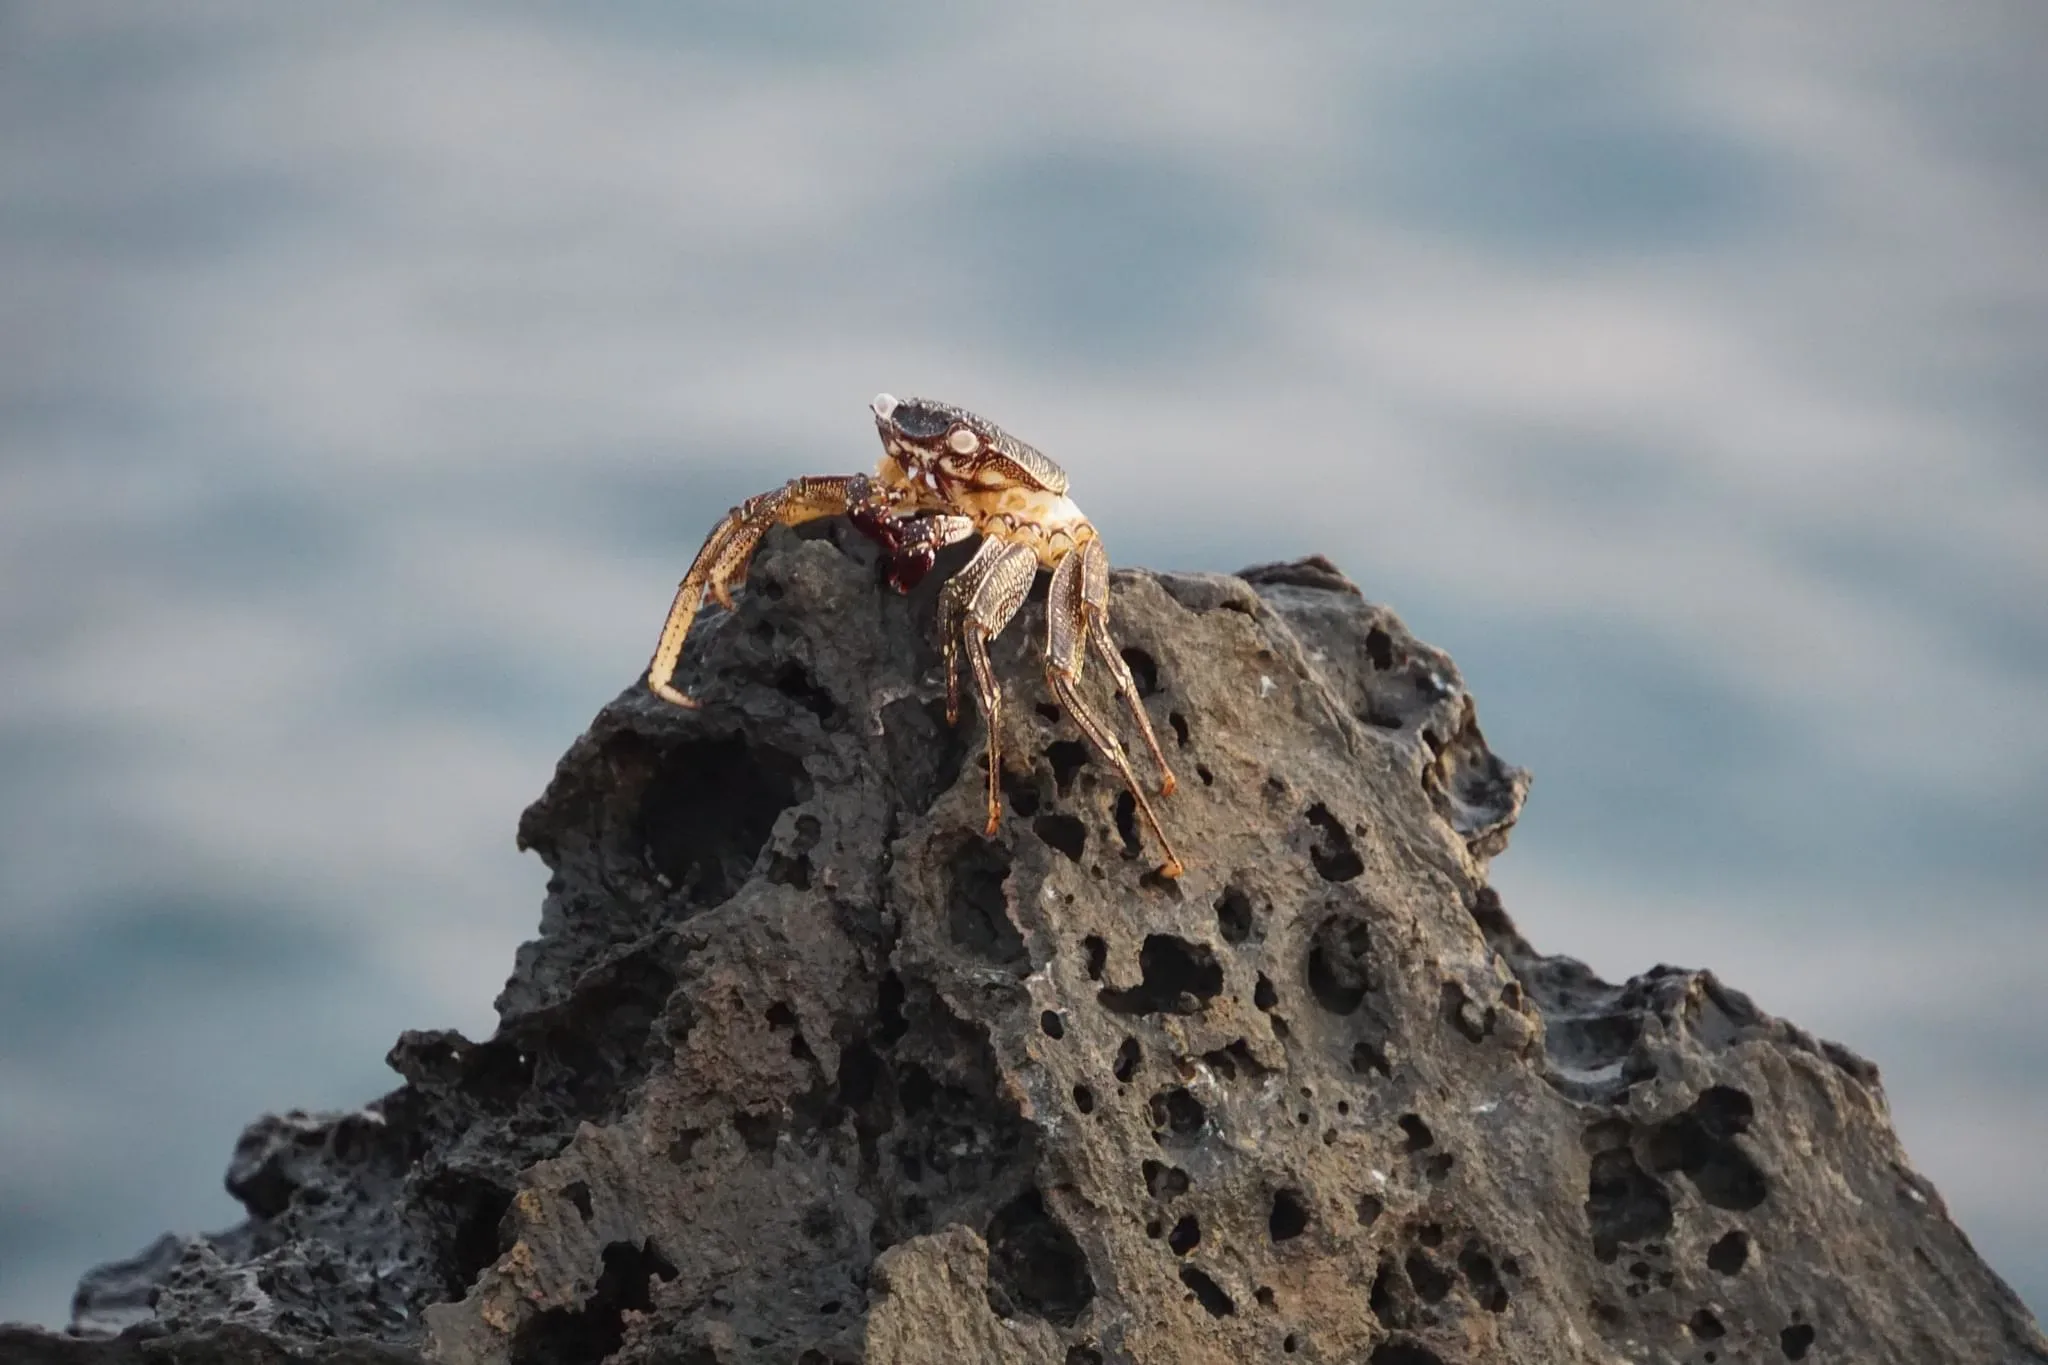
[(802, 1067)]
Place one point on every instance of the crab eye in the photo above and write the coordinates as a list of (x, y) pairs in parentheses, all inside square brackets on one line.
[(963, 441), (883, 405), (919, 421)]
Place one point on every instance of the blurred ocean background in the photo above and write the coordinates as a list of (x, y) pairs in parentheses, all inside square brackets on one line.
[(369, 373)]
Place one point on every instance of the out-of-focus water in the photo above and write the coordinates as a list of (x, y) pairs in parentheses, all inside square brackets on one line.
[(368, 374)]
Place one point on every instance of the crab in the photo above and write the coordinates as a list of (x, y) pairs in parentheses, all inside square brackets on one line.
[(946, 475)]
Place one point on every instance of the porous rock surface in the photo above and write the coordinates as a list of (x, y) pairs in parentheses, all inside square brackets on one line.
[(804, 1068)]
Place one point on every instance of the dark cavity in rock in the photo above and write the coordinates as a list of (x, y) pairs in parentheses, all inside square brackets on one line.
[(1178, 977)]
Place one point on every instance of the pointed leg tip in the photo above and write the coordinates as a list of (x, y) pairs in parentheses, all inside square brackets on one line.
[(672, 696), (995, 822), (1167, 785), (1171, 869)]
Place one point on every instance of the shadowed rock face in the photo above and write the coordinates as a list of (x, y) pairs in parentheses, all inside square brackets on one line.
[(802, 1067)]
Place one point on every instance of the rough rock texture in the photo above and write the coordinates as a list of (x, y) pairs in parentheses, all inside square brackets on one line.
[(803, 1068)]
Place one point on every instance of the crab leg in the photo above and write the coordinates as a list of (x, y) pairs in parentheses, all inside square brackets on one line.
[(1095, 605), (978, 602), (722, 562), (1068, 613)]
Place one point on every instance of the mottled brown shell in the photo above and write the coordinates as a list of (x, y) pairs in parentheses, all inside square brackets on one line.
[(1029, 465)]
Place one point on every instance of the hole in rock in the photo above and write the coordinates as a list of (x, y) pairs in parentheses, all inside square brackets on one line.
[(1366, 1056), (820, 1223), (684, 1147), (889, 998), (1179, 977), (1795, 1341), (1370, 1207), (1431, 1281), (1084, 1099), (1472, 1020), (1340, 963), (1701, 1143), (1332, 854), (1035, 1266), (471, 1209), (1127, 824), (792, 680), (1179, 723), (977, 912), (1438, 1167), (1291, 1345), (1379, 647), (1391, 1300), (1051, 1025), (597, 1329), (1289, 1217), (1478, 1270), (785, 870), (1066, 757), (1186, 1236), (1430, 1235), (1049, 712), (1234, 1061), (1083, 1355), (1128, 1055), (1263, 994), (1706, 1327), (759, 1132), (577, 1192), (1624, 1204), (1234, 915), (1021, 794), (1208, 778), (1098, 955), (1418, 1133), (1403, 1353), (1163, 1181), (1062, 832), (1144, 671), (1729, 1253), (1209, 1293), (710, 809), (1177, 1113)]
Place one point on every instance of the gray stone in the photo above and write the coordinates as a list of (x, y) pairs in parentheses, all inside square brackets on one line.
[(802, 1067)]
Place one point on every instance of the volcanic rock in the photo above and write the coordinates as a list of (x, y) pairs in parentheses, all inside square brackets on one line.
[(803, 1067)]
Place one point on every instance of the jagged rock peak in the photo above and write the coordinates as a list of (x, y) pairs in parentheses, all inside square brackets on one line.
[(802, 1066)]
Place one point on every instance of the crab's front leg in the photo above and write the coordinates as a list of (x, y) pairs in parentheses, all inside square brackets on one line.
[(722, 562), (978, 602)]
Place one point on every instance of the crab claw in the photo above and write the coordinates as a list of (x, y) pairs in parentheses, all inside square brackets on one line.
[(908, 569)]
